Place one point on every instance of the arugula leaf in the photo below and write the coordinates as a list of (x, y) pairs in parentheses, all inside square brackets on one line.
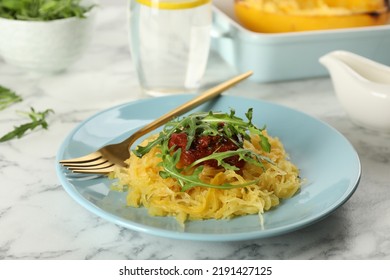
[(141, 151), (244, 154), (42, 10), (8, 97), (189, 181), (37, 119), (265, 145), (208, 124), (211, 124)]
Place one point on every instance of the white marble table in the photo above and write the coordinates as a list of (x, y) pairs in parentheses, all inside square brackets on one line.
[(38, 219)]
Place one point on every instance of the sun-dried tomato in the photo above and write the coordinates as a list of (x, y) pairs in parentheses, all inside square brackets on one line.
[(203, 146)]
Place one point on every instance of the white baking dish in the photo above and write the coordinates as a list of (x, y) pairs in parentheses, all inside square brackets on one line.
[(288, 56)]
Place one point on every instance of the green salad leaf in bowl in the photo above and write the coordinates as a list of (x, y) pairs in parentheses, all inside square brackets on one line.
[(45, 36), (43, 10)]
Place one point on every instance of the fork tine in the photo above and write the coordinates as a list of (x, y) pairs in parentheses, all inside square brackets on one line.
[(86, 158), (93, 167), (102, 171), (96, 162)]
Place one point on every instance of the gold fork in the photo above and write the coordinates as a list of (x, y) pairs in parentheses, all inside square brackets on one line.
[(104, 160)]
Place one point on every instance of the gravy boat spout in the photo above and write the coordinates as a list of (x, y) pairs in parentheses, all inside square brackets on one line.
[(362, 86)]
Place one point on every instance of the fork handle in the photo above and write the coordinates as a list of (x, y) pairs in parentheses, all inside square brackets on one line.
[(184, 108)]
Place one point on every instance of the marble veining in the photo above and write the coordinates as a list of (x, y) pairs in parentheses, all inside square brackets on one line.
[(38, 219)]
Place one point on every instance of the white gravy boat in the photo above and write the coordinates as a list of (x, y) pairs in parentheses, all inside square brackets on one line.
[(362, 87)]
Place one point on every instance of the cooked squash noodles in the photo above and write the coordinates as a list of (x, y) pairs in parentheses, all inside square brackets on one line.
[(164, 197)]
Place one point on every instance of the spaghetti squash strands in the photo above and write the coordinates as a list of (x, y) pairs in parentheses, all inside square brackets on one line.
[(164, 197)]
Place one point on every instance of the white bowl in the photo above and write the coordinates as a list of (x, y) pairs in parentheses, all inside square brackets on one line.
[(44, 46)]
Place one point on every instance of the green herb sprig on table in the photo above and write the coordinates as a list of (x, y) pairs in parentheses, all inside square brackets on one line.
[(207, 124), (8, 97), (37, 119), (42, 10)]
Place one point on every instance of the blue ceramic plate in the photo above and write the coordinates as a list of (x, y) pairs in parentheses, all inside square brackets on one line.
[(326, 159)]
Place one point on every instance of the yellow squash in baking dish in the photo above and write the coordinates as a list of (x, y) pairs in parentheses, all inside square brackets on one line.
[(272, 16)]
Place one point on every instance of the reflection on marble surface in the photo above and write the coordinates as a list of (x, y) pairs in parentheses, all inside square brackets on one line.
[(38, 220)]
